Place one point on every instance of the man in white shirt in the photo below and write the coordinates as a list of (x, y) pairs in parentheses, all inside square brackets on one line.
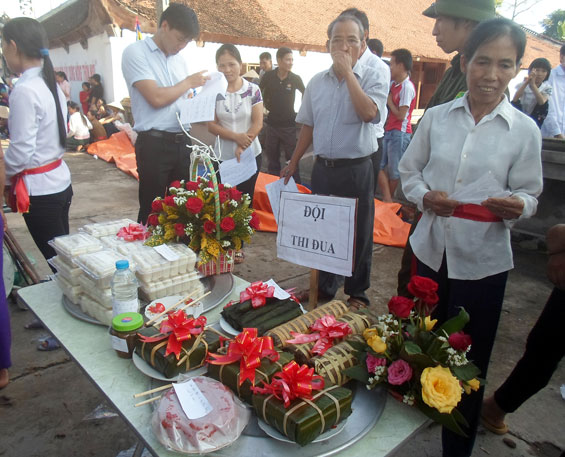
[(157, 79), (554, 124)]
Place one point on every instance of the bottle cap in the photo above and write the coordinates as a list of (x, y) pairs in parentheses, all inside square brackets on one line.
[(122, 264), (127, 322)]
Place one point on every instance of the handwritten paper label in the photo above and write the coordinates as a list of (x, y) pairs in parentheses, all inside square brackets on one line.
[(202, 107), (274, 190), (119, 344), (193, 402), (166, 252)]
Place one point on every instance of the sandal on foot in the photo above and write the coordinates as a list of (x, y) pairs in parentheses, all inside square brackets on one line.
[(34, 325), (48, 344), (356, 304), (239, 257), (303, 296), (497, 430)]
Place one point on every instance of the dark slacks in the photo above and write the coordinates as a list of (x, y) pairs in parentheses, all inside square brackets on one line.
[(376, 158), (354, 181), (247, 187), (277, 138), (544, 350), (47, 218), (482, 299), (158, 164), (5, 334)]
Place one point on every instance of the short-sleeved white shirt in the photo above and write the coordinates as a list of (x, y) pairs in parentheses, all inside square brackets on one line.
[(234, 113), (143, 60)]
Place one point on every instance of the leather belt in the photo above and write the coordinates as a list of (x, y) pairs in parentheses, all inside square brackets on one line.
[(336, 163), (169, 137)]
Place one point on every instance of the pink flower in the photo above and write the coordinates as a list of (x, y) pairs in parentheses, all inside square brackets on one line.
[(399, 372), (374, 362)]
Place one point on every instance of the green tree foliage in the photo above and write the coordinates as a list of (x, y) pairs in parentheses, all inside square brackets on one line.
[(554, 25)]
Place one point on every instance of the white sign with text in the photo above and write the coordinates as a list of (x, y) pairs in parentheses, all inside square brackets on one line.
[(317, 231)]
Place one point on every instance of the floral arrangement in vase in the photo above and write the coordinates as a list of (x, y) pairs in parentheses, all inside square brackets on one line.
[(420, 364)]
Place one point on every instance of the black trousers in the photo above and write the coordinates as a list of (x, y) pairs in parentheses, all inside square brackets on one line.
[(355, 181), (482, 299), (277, 138), (544, 350), (47, 218), (376, 160), (158, 164)]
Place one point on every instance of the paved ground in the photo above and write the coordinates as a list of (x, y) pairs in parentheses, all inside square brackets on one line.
[(50, 409)]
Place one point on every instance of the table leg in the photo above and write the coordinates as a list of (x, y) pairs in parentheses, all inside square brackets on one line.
[(138, 449)]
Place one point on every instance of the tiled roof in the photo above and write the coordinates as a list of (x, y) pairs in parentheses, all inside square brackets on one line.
[(303, 24)]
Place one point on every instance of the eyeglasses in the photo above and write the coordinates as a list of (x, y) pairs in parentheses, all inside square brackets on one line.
[(351, 42)]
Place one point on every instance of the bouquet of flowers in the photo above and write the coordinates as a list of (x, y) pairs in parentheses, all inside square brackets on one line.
[(419, 364), (189, 214)]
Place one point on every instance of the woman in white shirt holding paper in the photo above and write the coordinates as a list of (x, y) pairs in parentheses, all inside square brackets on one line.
[(239, 117), (466, 248)]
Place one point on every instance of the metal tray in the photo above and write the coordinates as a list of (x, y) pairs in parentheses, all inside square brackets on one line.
[(220, 285)]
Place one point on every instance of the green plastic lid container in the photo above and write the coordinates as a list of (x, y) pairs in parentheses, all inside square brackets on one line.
[(126, 322)]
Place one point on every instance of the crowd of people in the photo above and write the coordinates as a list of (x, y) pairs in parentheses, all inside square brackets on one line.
[(356, 115)]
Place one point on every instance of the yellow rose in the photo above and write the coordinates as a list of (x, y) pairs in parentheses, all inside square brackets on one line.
[(377, 344), (472, 385), (428, 323), (440, 389), (369, 332)]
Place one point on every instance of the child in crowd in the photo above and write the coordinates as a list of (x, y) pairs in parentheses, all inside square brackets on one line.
[(84, 95), (98, 132), (398, 130), (532, 95), (79, 128)]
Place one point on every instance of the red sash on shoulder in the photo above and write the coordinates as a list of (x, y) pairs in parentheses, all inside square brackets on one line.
[(19, 197), (475, 213)]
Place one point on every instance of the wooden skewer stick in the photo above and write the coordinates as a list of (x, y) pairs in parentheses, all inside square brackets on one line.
[(192, 303), (153, 319), (151, 400), (152, 391)]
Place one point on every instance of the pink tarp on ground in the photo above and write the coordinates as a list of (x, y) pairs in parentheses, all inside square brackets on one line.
[(118, 149), (389, 228)]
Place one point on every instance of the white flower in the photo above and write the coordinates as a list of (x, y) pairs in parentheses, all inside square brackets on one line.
[(225, 243), (158, 230), (408, 399), (180, 201), (234, 203)]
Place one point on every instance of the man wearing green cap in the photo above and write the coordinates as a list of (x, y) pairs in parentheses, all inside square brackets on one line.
[(454, 22)]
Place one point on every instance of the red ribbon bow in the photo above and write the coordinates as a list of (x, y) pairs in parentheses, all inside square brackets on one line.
[(257, 292), (134, 232), (249, 350), (324, 330), (294, 381), (178, 327)]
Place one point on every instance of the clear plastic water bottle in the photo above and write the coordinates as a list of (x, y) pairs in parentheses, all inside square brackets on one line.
[(124, 290)]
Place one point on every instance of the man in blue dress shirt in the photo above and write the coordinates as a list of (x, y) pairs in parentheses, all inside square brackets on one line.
[(337, 111)]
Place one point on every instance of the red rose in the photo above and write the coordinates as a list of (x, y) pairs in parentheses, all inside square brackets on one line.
[(153, 220), (175, 184), (179, 229), (194, 205), (157, 206), (224, 196), (191, 185), (221, 186), (424, 288), (235, 194), (211, 184), (169, 201), (209, 227), (400, 306), (227, 224), (254, 223), (459, 341)]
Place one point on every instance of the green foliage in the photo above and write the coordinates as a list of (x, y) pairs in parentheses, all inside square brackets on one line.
[(456, 324), (554, 25)]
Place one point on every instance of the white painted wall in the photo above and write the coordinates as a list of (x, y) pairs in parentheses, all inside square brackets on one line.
[(104, 55)]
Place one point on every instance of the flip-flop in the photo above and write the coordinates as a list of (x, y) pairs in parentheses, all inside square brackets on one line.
[(494, 428), (356, 304), (48, 344), (34, 325)]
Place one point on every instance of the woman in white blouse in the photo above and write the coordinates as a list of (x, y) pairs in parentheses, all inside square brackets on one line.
[(533, 93), (239, 117), (465, 245), (38, 177), (79, 128)]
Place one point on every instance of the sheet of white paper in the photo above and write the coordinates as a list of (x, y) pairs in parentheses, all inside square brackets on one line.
[(234, 172), (202, 106), (193, 402), (274, 190), (478, 191), (279, 293)]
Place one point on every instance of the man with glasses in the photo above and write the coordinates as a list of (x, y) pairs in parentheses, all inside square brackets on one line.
[(339, 107)]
